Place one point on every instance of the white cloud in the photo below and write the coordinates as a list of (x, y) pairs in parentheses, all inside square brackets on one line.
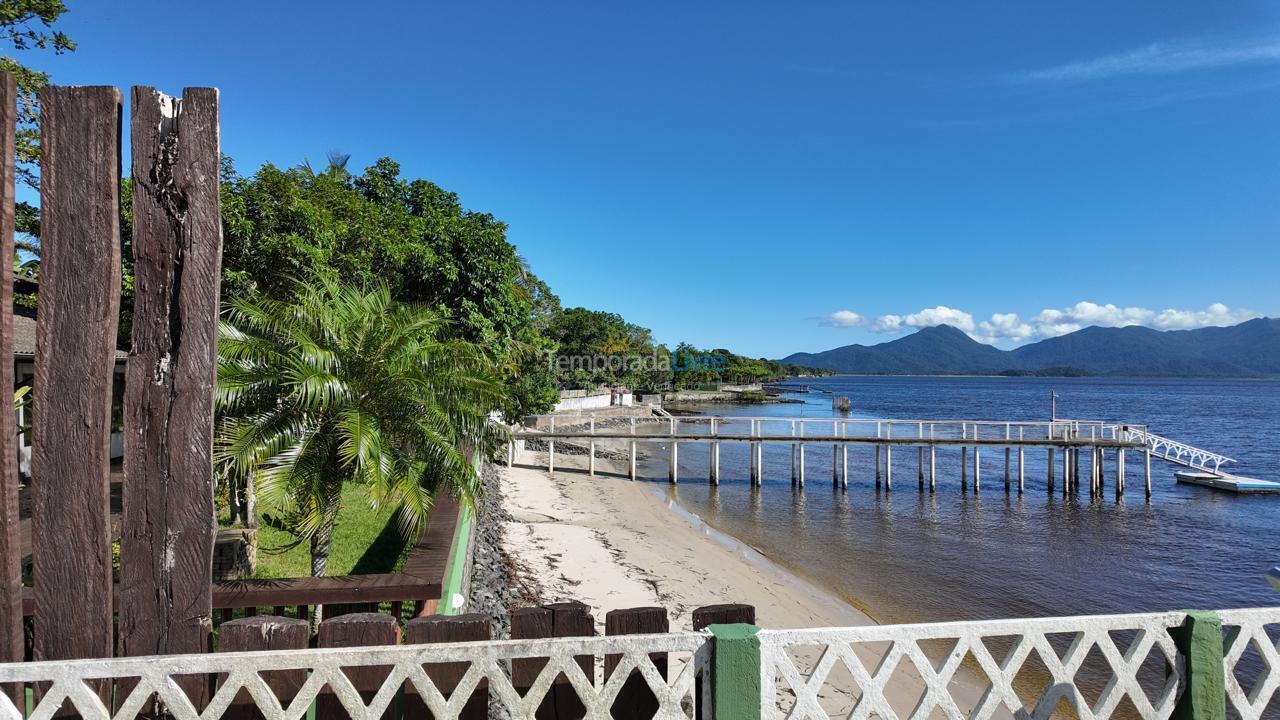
[(940, 315), (1217, 314), (842, 318), (888, 324), (1049, 322), (1159, 58), (1004, 326)]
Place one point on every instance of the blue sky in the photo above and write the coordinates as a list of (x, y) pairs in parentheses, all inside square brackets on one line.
[(775, 177)]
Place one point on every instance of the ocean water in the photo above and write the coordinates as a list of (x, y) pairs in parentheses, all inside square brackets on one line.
[(908, 556)]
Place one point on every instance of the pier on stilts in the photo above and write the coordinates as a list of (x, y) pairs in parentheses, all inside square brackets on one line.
[(1091, 450)]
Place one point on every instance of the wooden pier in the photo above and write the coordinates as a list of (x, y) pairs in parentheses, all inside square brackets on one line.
[(1075, 450)]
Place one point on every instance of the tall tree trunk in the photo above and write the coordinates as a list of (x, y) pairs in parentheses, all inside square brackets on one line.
[(236, 509), (320, 548), (250, 507)]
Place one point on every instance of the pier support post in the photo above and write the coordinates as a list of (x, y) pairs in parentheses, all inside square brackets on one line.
[(794, 475), (673, 473), (977, 468), (888, 468), (800, 450), (933, 462), (844, 466), (964, 467), (759, 454), (632, 464), (1050, 477), (878, 462), (920, 459), (1066, 471), (551, 448), (591, 447), (1008, 435), (1146, 457), (1120, 473), (714, 472), (1022, 463)]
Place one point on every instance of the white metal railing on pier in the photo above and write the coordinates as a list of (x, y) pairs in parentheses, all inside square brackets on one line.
[(834, 429), (1179, 453)]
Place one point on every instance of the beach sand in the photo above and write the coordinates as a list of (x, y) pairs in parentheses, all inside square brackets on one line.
[(612, 543)]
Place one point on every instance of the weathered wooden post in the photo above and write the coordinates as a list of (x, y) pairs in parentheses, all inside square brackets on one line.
[(74, 368), (352, 631), (568, 619), (635, 701), (591, 446), (447, 676), (168, 524), (1049, 479), (259, 633), (11, 640)]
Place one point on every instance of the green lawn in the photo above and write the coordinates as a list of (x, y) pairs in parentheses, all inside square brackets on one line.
[(364, 543)]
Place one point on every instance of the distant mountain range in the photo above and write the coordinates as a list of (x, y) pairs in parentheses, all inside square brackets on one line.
[(1250, 349)]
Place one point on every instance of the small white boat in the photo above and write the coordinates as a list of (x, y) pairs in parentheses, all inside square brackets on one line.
[(1232, 483)]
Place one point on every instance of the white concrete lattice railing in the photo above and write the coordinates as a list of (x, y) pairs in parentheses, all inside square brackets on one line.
[(1025, 668)]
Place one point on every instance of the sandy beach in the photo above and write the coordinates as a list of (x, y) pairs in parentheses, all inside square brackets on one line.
[(613, 543)]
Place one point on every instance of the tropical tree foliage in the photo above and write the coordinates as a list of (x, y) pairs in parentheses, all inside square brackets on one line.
[(339, 384), (28, 25)]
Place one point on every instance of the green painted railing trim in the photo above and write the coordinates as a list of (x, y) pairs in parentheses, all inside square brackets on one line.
[(1199, 641), (735, 672), (452, 583)]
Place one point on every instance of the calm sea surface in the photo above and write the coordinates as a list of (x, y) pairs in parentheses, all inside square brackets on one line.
[(908, 556)]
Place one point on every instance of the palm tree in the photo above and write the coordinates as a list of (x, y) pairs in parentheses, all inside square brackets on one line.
[(344, 384)]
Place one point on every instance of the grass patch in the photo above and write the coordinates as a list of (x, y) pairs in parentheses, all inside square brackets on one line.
[(364, 542)]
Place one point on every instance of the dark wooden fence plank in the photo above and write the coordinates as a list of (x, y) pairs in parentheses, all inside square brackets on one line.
[(169, 524), (446, 676), (75, 359), (566, 619), (725, 614), (357, 630), (635, 701), (11, 644), (265, 632)]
